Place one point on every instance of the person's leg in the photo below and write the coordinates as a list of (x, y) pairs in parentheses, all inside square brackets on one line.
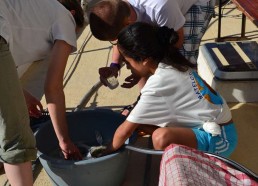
[(146, 129), (162, 137), (197, 21), (17, 143), (127, 109), (19, 174)]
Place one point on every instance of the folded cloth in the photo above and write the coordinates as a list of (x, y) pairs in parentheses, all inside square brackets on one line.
[(212, 127), (181, 165)]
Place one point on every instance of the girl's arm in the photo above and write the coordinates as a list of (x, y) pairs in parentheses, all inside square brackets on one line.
[(116, 56), (123, 132)]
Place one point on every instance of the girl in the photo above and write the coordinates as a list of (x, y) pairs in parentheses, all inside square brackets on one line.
[(176, 105)]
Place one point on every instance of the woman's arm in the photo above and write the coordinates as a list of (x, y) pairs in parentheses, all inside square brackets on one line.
[(56, 99)]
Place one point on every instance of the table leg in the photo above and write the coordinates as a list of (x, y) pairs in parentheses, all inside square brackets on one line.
[(243, 26), (219, 21)]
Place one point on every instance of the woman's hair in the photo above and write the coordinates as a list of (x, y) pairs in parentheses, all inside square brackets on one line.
[(107, 18), (76, 6), (140, 41)]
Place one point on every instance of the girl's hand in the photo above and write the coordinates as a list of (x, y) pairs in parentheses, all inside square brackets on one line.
[(106, 72), (130, 81)]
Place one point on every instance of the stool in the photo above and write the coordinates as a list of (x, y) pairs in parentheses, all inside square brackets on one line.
[(231, 68)]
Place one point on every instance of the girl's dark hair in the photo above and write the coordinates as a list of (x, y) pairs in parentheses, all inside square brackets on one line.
[(75, 5), (140, 41)]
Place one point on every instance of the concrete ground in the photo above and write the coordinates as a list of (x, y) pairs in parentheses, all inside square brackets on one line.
[(82, 74)]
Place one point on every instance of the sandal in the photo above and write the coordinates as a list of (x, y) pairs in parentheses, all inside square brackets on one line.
[(127, 109)]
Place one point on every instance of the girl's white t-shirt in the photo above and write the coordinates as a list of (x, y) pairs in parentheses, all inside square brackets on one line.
[(31, 27), (174, 98)]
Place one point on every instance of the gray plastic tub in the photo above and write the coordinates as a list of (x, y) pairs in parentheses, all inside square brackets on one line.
[(108, 170)]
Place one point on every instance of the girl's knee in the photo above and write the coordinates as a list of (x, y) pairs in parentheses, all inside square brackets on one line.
[(160, 139)]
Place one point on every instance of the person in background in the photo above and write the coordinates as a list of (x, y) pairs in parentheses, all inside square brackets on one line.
[(189, 18), (176, 106), (32, 30)]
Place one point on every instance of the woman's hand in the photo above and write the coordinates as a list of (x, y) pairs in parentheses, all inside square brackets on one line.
[(70, 151), (34, 106)]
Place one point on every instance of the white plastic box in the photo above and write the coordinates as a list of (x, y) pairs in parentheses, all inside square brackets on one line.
[(231, 68)]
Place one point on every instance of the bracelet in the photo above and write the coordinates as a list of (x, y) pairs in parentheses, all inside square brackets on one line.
[(117, 65)]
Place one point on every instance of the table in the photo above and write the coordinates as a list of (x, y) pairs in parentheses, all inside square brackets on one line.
[(249, 9), (231, 68)]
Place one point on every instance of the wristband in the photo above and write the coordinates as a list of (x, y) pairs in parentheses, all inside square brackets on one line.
[(117, 65)]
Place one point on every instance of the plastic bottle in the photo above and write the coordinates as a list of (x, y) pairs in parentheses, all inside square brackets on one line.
[(111, 82)]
